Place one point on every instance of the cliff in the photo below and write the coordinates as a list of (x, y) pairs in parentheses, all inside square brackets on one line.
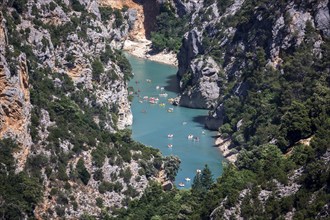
[(65, 109)]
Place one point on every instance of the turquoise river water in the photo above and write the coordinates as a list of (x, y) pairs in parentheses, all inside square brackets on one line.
[(152, 122)]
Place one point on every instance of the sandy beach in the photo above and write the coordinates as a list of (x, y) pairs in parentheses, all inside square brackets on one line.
[(223, 145), (142, 48)]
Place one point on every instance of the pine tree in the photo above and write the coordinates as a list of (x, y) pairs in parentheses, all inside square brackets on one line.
[(206, 177), (82, 171), (197, 186)]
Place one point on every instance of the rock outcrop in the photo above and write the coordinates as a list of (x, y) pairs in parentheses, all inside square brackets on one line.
[(217, 35), (203, 74), (64, 101), (15, 106)]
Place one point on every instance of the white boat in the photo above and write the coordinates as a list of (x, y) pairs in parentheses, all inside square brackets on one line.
[(170, 110), (162, 88), (169, 145), (170, 135), (196, 139), (163, 95), (203, 132), (187, 179), (157, 87), (145, 97), (148, 80), (181, 184), (190, 136), (198, 171), (184, 123)]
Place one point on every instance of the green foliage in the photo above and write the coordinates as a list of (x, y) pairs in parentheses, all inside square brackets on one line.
[(119, 18), (76, 6), (202, 181), (19, 191), (169, 30), (106, 13), (83, 174), (19, 5), (97, 68)]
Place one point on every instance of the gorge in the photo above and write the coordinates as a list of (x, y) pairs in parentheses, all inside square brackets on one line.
[(258, 70)]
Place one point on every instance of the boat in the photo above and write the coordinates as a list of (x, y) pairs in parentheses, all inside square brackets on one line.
[(184, 123), (169, 145), (170, 100), (170, 135), (187, 179), (140, 101), (181, 184), (162, 104), (196, 139), (162, 88), (163, 95), (190, 136), (203, 132), (157, 87), (131, 93), (153, 100), (198, 171), (148, 80), (145, 97), (170, 110)]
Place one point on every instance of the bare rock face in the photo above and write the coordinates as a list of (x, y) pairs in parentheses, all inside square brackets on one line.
[(187, 7), (205, 91), (15, 106), (322, 18), (191, 46)]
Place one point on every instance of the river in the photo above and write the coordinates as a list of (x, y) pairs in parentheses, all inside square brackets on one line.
[(152, 122)]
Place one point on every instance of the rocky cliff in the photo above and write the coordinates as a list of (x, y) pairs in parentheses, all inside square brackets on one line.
[(64, 104), (220, 33)]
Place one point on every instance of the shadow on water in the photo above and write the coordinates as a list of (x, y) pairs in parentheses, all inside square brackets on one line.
[(200, 119), (172, 84)]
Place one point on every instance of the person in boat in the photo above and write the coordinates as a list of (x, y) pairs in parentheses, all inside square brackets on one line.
[(196, 138)]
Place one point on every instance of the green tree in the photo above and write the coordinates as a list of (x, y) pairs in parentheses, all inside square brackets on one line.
[(206, 177), (197, 186), (83, 174)]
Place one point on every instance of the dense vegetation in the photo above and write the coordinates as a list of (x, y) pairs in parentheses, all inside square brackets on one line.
[(169, 30), (55, 167), (269, 123)]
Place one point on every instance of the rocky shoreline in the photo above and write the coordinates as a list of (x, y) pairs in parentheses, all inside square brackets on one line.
[(142, 49), (223, 145)]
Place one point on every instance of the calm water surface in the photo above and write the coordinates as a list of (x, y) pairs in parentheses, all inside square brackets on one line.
[(152, 123)]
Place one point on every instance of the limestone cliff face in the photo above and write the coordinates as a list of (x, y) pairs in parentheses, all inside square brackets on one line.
[(14, 99), (64, 100), (135, 13), (216, 34)]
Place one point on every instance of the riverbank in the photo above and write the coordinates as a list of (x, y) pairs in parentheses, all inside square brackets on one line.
[(223, 145), (142, 49)]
